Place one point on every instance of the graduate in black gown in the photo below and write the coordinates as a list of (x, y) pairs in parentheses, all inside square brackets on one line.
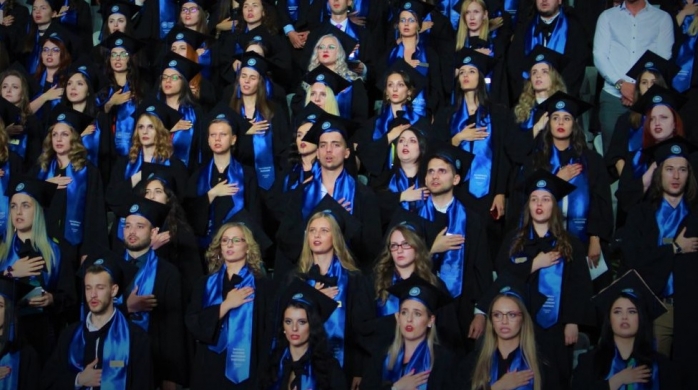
[(117, 15), (105, 349), (230, 308), (659, 241), (153, 299), (625, 357), (414, 359), (552, 262), (301, 357), (19, 364), (54, 61), (11, 163)]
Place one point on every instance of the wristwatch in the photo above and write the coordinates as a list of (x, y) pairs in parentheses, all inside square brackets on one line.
[(677, 248), (619, 84)]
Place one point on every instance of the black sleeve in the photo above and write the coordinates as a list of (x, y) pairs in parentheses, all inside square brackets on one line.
[(202, 322), (362, 311), (95, 231), (600, 218), (57, 373), (618, 148), (584, 377), (141, 370), (578, 51), (577, 288), (630, 190), (29, 369), (359, 102), (170, 321)]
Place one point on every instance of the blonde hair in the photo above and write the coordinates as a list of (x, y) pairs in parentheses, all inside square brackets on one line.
[(77, 154), (254, 254), (331, 106), (399, 342), (338, 245), (527, 100), (463, 31), (527, 343), (163, 143), (341, 67)]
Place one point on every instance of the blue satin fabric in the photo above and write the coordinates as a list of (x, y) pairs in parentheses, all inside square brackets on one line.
[(75, 200), (145, 280), (307, 379), (234, 175), (4, 200), (42, 87), (35, 56), (400, 182), (635, 149), (116, 349), (419, 362), (383, 121), (298, 169), (335, 325), (481, 168), (292, 6), (70, 18), (618, 365), (420, 54), (557, 41), (578, 202), (263, 153), (206, 62), (668, 221), (354, 55), (182, 140), (125, 123), (361, 7), (48, 279), (684, 57), (344, 102), (91, 143), (168, 16), (344, 187), (550, 285), (391, 304), (18, 144), (518, 363), (236, 332), (450, 264), (529, 123), (11, 381)]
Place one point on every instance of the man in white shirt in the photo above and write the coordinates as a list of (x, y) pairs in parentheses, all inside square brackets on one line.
[(623, 34)]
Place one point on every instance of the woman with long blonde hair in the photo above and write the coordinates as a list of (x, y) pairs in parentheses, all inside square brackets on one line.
[(237, 295)]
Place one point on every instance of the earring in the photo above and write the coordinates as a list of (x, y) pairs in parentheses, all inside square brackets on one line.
[(429, 326), (409, 98)]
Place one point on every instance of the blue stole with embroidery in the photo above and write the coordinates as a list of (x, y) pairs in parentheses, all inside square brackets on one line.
[(116, 349), (335, 325), (4, 200), (344, 187), (635, 149), (684, 58), (419, 362), (579, 200), (383, 121), (518, 363), (234, 175), (307, 380), (91, 143), (419, 54), (298, 170), (450, 264), (481, 169), (668, 221), (71, 16), (618, 365), (182, 140), (48, 279), (344, 101), (124, 124), (558, 38), (550, 285), (263, 153), (400, 182), (145, 280), (11, 381), (391, 305), (75, 200), (236, 332), (205, 61), (292, 6), (18, 144), (168, 16), (35, 56)]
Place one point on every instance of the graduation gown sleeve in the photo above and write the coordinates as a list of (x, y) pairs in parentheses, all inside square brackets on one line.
[(618, 148), (587, 377), (442, 375)]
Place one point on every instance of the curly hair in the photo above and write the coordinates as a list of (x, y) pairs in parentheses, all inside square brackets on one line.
[(541, 159), (63, 63), (385, 266), (463, 31), (318, 347), (77, 154), (527, 100), (339, 246), (555, 226), (254, 254), (132, 75), (163, 142), (4, 143), (341, 67), (24, 101)]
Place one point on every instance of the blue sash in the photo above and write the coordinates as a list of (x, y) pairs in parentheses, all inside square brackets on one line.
[(11, 381), (48, 279), (383, 121), (635, 150), (668, 221), (75, 200), (292, 6), (116, 350), (354, 55), (344, 101), (398, 183), (578, 201), (168, 16), (125, 123), (298, 169), (344, 187), (236, 332), (528, 124), (419, 54), (518, 363), (481, 169), (18, 144), (263, 153), (35, 56), (361, 7), (391, 305), (182, 140), (618, 365), (71, 17), (335, 325), (206, 62), (550, 285), (684, 58), (307, 380), (450, 264), (557, 41), (91, 143), (4, 200), (419, 362), (145, 280), (42, 88), (235, 175)]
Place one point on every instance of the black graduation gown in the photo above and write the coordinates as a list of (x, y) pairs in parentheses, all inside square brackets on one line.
[(618, 148), (82, 27), (499, 86), (58, 374), (16, 168), (106, 157), (203, 323), (359, 101), (166, 326), (35, 137), (29, 368), (441, 375), (389, 201), (94, 237), (575, 305), (548, 374), (335, 375), (587, 377), (14, 36)]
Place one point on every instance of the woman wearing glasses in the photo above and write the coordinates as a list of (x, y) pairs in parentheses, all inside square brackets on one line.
[(55, 60)]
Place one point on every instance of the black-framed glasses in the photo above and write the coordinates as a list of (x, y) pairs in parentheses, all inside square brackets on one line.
[(225, 241), (395, 246), (123, 55), (498, 316), (173, 77), (190, 10)]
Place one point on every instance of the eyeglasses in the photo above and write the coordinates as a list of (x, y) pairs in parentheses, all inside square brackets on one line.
[(404, 246), (498, 316), (407, 20), (190, 10), (225, 241), (54, 50), (123, 55), (328, 47), (173, 77)]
